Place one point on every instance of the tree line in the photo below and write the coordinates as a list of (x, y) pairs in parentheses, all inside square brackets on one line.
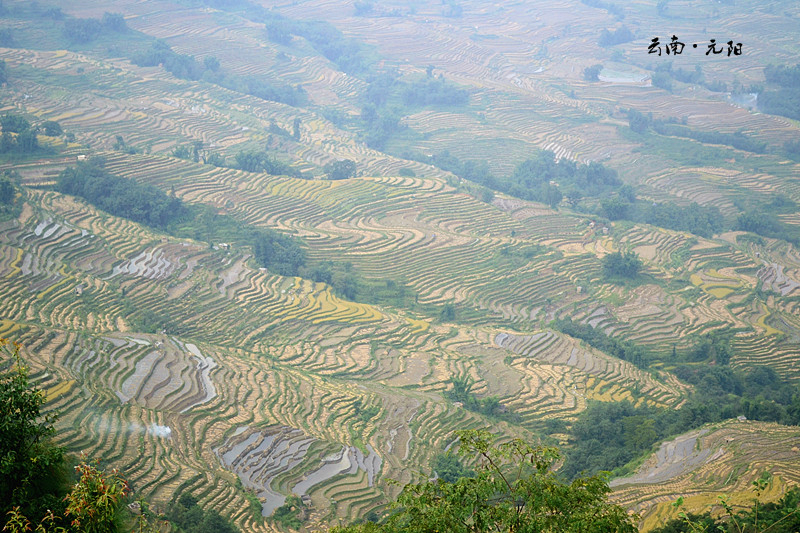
[(86, 30), (185, 66), (597, 338), (783, 98), (281, 253), (763, 220), (387, 98), (641, 123), (540, 178), (20, 137), (119, 196), (148, 205), (608, 436), (349, 55)]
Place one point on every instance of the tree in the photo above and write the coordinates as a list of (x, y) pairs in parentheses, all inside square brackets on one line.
[(7, 190), (628, 193), (574, 197), (514, 490), (197, 146), (551, 195), (592, 73), (7, 38), (188, 516), (120, 196), (94, 505), (619, 36), (182, 152), (11, 122), (52, 128), (82, 31), (662, 80), (30, 464), (27, 142), (115, 22), (615, 208), (280, 253), (448, 312), (340, 170), (211, 63), (621, 265), (638, 121), (449, 468), (32, 469), (95, 500)]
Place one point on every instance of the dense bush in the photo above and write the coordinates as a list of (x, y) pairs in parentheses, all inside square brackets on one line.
[(592, 73), (191, 518), (13, 123), (82, 31), (449, 468), (340, 170), (263, 162), (349, 55), (7, 190), (434, 92), (783, 75), (784, 102), (489, 406), (618, 36), (621, 265), (280, 253), (764, 221), (32, 474)]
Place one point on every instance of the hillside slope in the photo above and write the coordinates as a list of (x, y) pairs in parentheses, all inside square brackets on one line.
[(191, 368)]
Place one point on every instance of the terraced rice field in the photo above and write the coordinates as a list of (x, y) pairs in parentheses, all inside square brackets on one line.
[(249, 353), (275, 384), (720, 460)]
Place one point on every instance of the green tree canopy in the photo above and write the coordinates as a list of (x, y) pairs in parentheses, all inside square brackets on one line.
[(30, 464), (341, 170), (514, 489), (621, 265), (11, 122), (7, 190), (51, 128)]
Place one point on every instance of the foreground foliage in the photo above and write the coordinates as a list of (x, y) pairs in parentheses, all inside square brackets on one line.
[(188, 516), (33, 469), (782, 516), (31, 466), (514, 489)]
